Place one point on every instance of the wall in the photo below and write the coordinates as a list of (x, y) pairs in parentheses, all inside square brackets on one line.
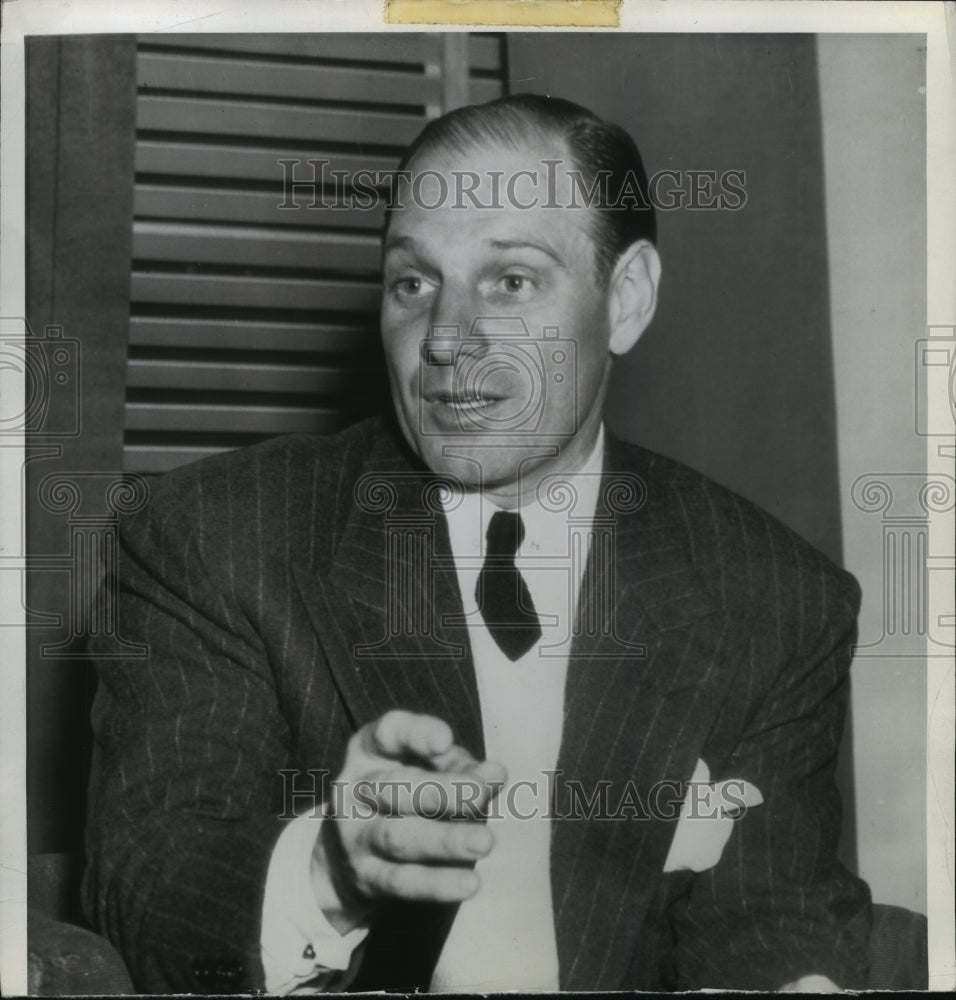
[(734, 375), (874, 146)]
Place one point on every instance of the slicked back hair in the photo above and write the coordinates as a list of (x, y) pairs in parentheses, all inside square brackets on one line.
[(597, 149)]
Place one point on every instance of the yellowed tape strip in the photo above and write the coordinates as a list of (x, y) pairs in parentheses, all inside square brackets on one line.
[(524, 13)]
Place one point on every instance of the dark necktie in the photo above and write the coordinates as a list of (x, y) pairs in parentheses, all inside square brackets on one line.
[(502, 594)]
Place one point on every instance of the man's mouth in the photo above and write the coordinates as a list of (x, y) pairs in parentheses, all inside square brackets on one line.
[(466, 404)]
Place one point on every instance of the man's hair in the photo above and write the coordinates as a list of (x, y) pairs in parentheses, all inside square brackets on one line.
[(599, 150)]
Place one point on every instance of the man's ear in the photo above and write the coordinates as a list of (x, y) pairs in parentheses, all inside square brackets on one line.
[(632, 295)]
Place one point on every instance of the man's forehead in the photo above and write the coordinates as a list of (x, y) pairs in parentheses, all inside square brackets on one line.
[(500, 192), (559, 235)]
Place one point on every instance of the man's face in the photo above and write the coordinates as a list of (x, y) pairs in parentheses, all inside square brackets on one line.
[(494, 321)]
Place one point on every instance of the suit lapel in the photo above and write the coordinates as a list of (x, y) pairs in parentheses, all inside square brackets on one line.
[(382, 611), (640, 698)]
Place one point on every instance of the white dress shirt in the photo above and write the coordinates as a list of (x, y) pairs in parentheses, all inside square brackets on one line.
[(503, 937)]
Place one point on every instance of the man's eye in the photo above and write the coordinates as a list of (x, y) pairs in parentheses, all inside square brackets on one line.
[(409, 286), (515, 282)]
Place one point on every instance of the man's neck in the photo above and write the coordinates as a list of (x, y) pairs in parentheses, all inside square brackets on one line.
[(579, 456), (587, 458)]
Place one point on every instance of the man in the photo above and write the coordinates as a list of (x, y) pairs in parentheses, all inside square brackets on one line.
[(532, 657)]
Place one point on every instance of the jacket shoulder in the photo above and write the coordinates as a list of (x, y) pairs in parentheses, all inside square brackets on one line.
[(743, 555), (283, 482)]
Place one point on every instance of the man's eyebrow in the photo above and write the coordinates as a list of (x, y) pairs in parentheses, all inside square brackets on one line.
[(524, 244), (399, 243)]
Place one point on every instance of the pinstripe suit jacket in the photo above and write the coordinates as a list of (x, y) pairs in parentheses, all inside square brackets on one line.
[(259, 580)]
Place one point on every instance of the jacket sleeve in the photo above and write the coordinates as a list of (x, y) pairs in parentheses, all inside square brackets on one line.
[(188, 741), (778, 905)]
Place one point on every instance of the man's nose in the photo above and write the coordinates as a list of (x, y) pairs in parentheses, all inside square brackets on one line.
[(453, 314)]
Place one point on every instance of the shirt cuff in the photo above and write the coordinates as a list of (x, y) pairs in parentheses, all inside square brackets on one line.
[(299, 946)]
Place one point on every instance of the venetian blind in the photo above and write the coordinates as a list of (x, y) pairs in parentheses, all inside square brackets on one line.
[(249, 319)]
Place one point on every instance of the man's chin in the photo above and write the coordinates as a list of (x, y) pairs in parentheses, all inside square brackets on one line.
[(487, 464)]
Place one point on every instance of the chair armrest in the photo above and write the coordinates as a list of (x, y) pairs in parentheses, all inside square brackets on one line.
[(67, 959), (898, 953)]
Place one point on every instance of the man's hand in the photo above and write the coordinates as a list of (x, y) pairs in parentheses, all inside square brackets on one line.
[(388, 833)]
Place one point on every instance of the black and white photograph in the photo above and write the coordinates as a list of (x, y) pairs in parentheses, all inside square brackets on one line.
[(478, 501)]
